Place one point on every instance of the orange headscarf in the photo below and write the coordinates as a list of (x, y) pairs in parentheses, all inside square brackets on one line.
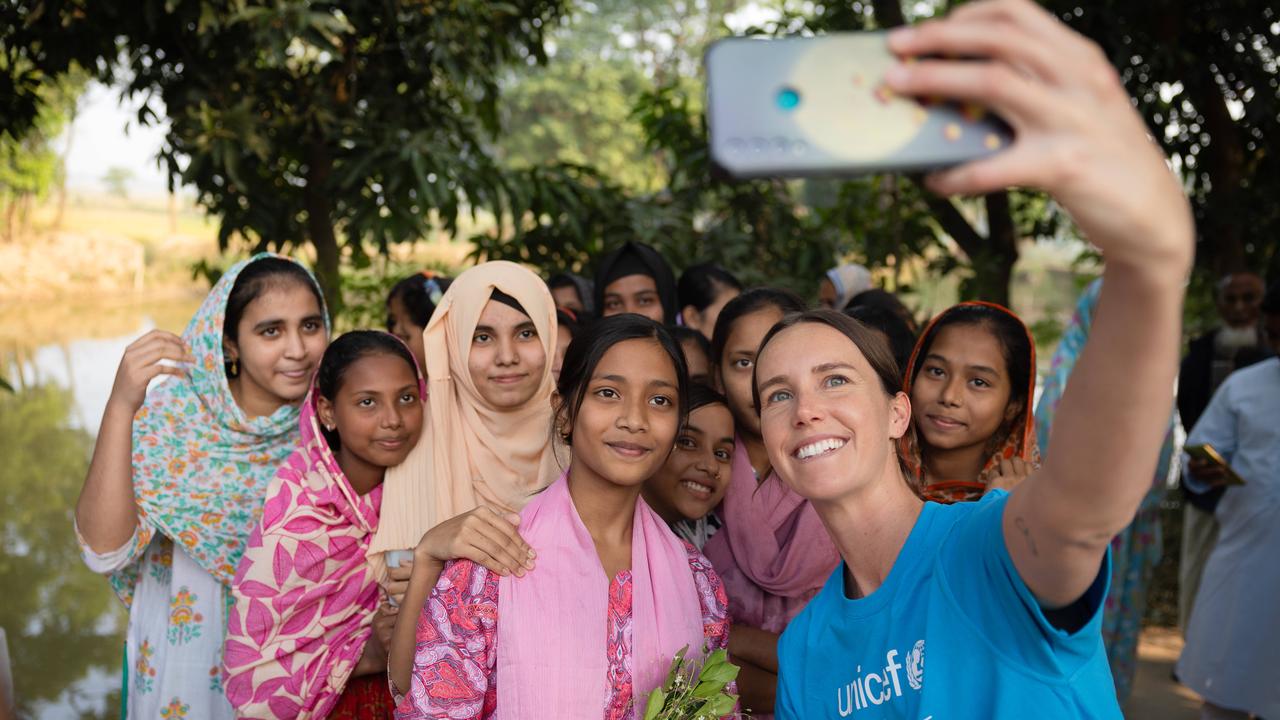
[(1020, 443), (471, 453)]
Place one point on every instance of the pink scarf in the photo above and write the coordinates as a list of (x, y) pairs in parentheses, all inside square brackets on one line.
[(552, 657), (773, 553), (304, 596)]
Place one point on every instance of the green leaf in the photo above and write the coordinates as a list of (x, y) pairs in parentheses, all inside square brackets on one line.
[(722, 673), (657, 699)]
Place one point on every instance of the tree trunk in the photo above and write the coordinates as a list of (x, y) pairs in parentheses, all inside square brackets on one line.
[(10, 220), (320, 223), (991, 258), (993, 266), (1222, 234), (66, 153)]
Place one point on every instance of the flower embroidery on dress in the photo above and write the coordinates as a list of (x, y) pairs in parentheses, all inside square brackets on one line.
[(175, 710), (143, 669), (161, 569), (184, 621), (215, 678)]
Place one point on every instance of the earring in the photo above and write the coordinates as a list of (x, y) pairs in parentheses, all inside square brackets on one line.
[(235, 368)]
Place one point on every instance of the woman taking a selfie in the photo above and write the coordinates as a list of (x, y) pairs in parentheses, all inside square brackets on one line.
[(1004, 595)]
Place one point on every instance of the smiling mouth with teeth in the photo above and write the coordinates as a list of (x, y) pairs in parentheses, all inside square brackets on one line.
[(822, 447), (697, 487)]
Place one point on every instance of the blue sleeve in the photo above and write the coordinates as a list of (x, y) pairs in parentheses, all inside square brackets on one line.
[(784, 702), (1216, 427), (979, 575)]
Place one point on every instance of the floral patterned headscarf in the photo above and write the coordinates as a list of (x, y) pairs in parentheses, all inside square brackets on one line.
[(200, 467), (1020, 441)]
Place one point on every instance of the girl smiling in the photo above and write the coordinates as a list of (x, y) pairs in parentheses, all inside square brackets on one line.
[(592, 629)]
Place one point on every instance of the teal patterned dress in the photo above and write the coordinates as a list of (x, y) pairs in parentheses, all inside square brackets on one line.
[(1135, 551)]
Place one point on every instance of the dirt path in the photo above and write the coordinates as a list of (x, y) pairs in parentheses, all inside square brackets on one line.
[(1156, 696)]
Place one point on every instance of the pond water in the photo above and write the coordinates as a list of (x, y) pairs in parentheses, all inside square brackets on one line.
[(63, 626)]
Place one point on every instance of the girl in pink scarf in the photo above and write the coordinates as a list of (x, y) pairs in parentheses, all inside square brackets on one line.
[(592, 629), (301, 639), (773, 552)]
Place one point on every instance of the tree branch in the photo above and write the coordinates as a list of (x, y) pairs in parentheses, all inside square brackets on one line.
[(954, 224)]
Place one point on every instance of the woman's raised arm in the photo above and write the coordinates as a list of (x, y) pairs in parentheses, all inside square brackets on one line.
[(1077, 137), (106, 515)]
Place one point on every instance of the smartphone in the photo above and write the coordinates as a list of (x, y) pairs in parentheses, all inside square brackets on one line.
[(813, 106), (1207, 453)]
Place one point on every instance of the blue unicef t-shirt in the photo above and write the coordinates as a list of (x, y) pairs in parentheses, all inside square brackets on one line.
[(953, 598)]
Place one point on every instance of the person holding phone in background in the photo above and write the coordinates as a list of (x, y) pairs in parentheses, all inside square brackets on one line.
[(1233, 637), (1237, 343)]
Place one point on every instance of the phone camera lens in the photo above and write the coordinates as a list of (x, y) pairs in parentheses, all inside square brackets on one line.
[(787, 99)]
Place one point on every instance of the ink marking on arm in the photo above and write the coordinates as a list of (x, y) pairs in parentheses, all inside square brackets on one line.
[(1021, 524)]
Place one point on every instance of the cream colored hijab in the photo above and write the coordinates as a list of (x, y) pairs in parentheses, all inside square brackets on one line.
[(471, 453)]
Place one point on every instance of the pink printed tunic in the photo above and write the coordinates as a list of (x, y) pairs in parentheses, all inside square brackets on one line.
[(454, 666)]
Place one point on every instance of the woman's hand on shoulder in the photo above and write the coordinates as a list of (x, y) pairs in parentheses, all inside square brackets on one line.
[(482, 536), (1077, 134), (154, 354)]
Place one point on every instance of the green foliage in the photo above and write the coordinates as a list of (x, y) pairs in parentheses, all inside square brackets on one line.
[(693, 693), (305, 121), (54, 608), (1206, 79), (29, 164), (365, 291), (578, 112), (117, 181)]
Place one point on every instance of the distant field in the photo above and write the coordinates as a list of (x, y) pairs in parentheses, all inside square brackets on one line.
[(138, 246)]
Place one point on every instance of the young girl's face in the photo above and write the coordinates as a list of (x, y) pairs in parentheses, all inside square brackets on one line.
[(507, 359), (960, 396), (377, 411), (400, 324), (626, 426), (693, 479), (738, 362), (279, 343), (566, 296), (634, 294)]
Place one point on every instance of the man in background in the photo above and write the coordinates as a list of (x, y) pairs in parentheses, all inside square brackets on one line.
[(1233, 639), (1237, 343)]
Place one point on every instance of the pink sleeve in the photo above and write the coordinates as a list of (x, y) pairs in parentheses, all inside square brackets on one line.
[(455, 659), (715, 606), (714, 601)]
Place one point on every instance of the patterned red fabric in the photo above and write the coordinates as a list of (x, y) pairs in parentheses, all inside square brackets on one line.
[(454, 668), (365, 698)]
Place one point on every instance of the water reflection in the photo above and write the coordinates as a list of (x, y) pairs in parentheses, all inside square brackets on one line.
[(64, 626)]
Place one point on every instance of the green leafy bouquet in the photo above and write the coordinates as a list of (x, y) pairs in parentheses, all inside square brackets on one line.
[(692, 693)]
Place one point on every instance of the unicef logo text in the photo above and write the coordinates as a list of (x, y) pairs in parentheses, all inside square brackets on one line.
[(874, 688)]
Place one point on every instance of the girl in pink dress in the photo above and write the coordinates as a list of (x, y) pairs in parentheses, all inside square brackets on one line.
[(592, 629), (308, 634)]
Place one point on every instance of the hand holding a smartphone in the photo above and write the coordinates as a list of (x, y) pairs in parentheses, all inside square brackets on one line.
[(1208, 466), (1207, 472), (1076, 134)]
